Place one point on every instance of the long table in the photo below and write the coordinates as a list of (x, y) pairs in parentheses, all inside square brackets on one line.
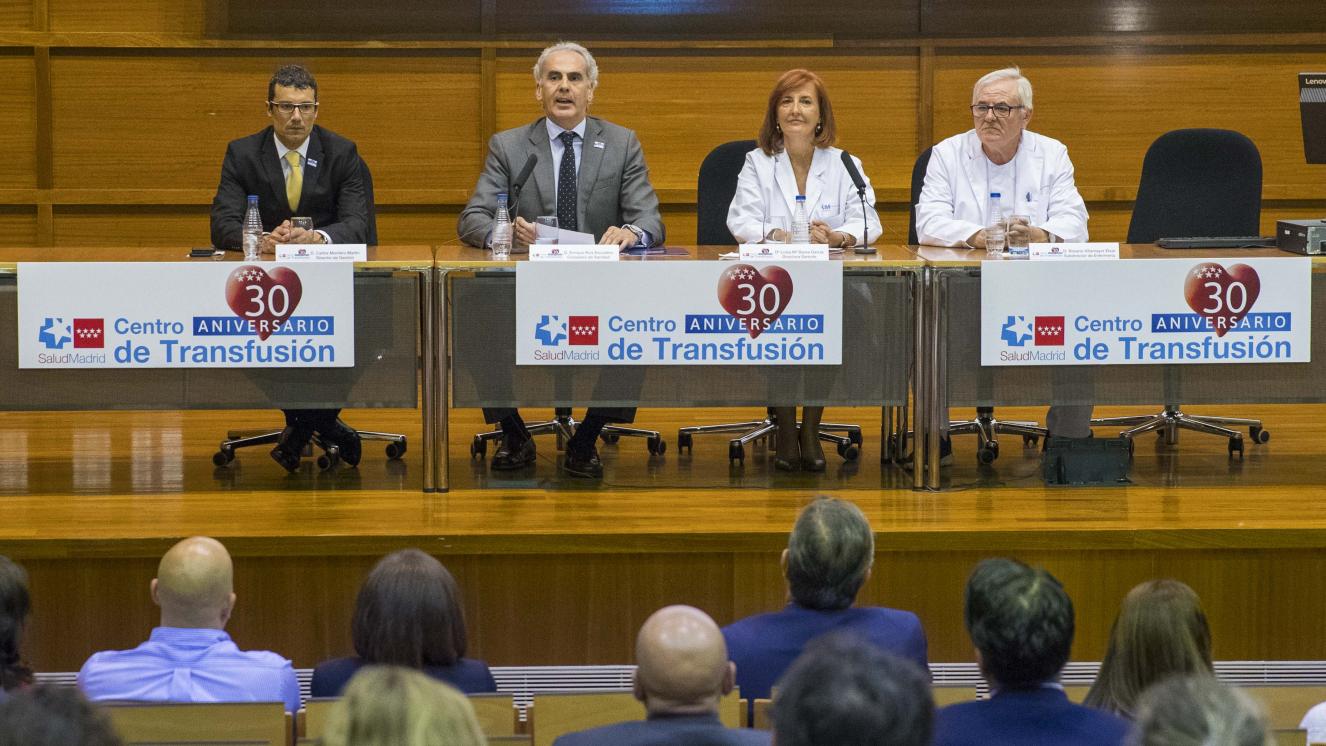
[(951, 374)]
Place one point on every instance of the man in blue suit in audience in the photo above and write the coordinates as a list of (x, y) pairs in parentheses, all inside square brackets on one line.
[(1021, 622), (827, 560), (189, 657), (682, 674)]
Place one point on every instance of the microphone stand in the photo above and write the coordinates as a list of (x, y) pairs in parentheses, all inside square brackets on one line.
[(865, 247)]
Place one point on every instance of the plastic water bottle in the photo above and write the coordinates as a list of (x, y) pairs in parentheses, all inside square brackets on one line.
[(800, 223), (252, 231), (996, 228), (502, 229)]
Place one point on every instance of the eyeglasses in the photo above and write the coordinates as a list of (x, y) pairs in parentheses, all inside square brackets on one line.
[(1000, 110), (287, 108)]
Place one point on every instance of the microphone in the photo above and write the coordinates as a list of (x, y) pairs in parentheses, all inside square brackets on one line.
[(860, 184), (519, 182)]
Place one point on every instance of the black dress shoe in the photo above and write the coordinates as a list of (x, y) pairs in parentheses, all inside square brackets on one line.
[(290, 446), (507, 457), (346, 441), (583, 463)]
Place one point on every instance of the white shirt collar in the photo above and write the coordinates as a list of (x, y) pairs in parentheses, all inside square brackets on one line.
[(555, 130), (281, 149)]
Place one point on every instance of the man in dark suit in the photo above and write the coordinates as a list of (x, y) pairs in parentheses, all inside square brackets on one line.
[(847, 692), (591, 174), (681, 676), (828, 558), (295, 168), (1021, 621)]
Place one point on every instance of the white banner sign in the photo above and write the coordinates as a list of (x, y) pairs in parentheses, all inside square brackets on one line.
[(185, 315), (679, 313), (1146, 311)]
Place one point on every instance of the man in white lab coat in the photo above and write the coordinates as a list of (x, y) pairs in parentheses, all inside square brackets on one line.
[(1032, 175)]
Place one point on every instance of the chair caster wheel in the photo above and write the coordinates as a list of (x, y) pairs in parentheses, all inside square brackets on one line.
[(1030, 441), (1259, 435), (223, 457), (396, 450), (657, 446), (986, 454), (610, 438), (1236, 446), (855, 437), (848, 451), (330, 459), (736, 454), (684, 443), (478, 447)]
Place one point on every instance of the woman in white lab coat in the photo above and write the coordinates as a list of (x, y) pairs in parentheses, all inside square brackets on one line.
[(796, 157)]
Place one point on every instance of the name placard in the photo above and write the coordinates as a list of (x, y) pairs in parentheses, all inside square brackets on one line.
[(322, 252), (576, 252), (785, 252), (1099, 250)]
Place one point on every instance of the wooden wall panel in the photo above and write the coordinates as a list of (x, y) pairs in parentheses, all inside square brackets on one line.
[(1108, 106), (163, 119), (748, 18), (683, 106), (16, 15), (184, 226), (18, 157), (421, 224), (183, 17), (575, 609), (18, 225), (959, 18)]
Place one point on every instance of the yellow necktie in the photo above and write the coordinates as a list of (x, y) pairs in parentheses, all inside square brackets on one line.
[(294, 183)]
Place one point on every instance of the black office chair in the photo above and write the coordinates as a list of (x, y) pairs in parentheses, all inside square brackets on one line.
[(985, 426), (330, 456), (1196, 182), (716, 186)]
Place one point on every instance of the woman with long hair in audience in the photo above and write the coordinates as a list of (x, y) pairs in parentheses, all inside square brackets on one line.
[(394, 706), (795, 157), (14, 606), (1161, 631), (409, 614)]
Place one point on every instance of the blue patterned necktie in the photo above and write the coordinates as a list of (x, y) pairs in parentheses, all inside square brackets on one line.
[(566, 184)]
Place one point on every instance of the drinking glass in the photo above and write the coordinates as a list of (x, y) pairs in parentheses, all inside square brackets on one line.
[(1018, 241)]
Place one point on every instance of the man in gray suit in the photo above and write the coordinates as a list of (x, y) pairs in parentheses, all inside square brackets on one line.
[(591, 174)]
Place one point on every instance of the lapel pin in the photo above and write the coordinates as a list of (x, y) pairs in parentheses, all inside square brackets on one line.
[(311, 162), (598, 144)]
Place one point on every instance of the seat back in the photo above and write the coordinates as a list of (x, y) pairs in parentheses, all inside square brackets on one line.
[(496, 714), (367, 175), (556, 713), (716, 186), (918, 180), (1198, 182), (211, 723)]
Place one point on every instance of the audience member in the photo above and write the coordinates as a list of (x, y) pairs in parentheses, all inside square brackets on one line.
[(14, 606), (1197, 710), (394, 706), (190, 658), (846, 692), (681, 676), (408, 613), (1021, 623), (1160, 631), (53, 716), (827, 560)]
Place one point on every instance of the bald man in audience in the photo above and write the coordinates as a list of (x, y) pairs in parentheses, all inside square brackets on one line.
[(682, 674), (190, 658)]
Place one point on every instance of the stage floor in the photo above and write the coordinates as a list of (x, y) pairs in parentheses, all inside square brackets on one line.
[(558, 570)]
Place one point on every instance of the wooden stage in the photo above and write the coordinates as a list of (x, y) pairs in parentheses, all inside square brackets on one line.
[(562, 571)]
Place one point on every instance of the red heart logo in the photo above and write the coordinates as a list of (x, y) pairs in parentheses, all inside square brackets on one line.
[(1224, 296), (755, 296), (264, 299)]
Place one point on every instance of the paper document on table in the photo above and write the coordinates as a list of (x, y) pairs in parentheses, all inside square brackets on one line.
[(574, 237)]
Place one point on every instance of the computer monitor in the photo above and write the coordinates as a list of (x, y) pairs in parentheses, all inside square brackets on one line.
[(1312, 109)]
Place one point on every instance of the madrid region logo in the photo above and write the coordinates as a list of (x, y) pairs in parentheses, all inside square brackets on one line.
[(551, 331), (1042, 331), (55, 333)]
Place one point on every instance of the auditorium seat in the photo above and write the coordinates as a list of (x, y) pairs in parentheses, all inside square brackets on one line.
[(496, 714), (195, 724)]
